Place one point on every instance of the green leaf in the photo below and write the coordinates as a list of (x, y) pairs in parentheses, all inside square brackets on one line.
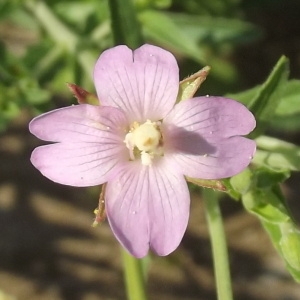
[(288, 105), (242, 182), (290, 101), (55, 27), (266, 205), (245, 97), (265, 200), (160, 4), (285, 238), (266, 100), (277, 154), (213, 30), (81, 14), (286, 123), (160, 28), (266, 178), (33, 94), (290, 245), (124, 23), (288, 110)]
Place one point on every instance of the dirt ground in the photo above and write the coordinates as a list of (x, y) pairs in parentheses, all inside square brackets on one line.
[(49, 251)]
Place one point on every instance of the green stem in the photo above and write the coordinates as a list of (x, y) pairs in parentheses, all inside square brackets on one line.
[(124, 24), (134, 277), (218, 242)]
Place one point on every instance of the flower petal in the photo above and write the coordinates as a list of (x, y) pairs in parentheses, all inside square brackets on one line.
[(148, 206), (228, 158), (91, 144), (201, 137), (79, 164), (143, 83), (168, 209), (212, 117), (80, 123)]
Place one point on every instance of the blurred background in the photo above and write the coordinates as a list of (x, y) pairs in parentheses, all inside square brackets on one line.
[(48, 249)]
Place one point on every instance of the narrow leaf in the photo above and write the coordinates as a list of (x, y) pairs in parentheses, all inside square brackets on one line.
[(267, 98)]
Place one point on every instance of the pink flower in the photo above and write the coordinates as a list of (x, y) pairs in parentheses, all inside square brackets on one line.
[(142, 144)]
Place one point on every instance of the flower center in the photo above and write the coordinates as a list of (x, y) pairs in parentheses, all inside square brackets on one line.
[(144, 141)]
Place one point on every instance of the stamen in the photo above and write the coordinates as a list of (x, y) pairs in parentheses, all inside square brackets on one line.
[(144, 141)]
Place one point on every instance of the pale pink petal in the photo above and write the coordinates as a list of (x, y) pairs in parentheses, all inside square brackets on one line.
[(80, 123), (201, 137), (212, 117), (79, 164), (91, 144), (168, 208), (148, 206), (143, 83), (223, 159)]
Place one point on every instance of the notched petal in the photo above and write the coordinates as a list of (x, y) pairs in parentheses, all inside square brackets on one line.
[(143, 83)]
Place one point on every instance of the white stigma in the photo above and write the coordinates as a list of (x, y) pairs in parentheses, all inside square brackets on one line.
[(146, 139)]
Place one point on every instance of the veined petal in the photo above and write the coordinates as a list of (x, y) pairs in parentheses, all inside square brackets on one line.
[(91, 144), (212, 117), (148, 206), (168, 209), (79, 164), (201, 137), (80, 123), (224, 158), (143, 83)]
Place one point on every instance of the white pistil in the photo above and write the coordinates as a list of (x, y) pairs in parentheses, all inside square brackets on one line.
[(146, 137), (146, 158), (144, 140)]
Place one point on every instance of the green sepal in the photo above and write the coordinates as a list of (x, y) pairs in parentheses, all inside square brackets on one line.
[(189, 86), (83, 96), (213, 184)]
